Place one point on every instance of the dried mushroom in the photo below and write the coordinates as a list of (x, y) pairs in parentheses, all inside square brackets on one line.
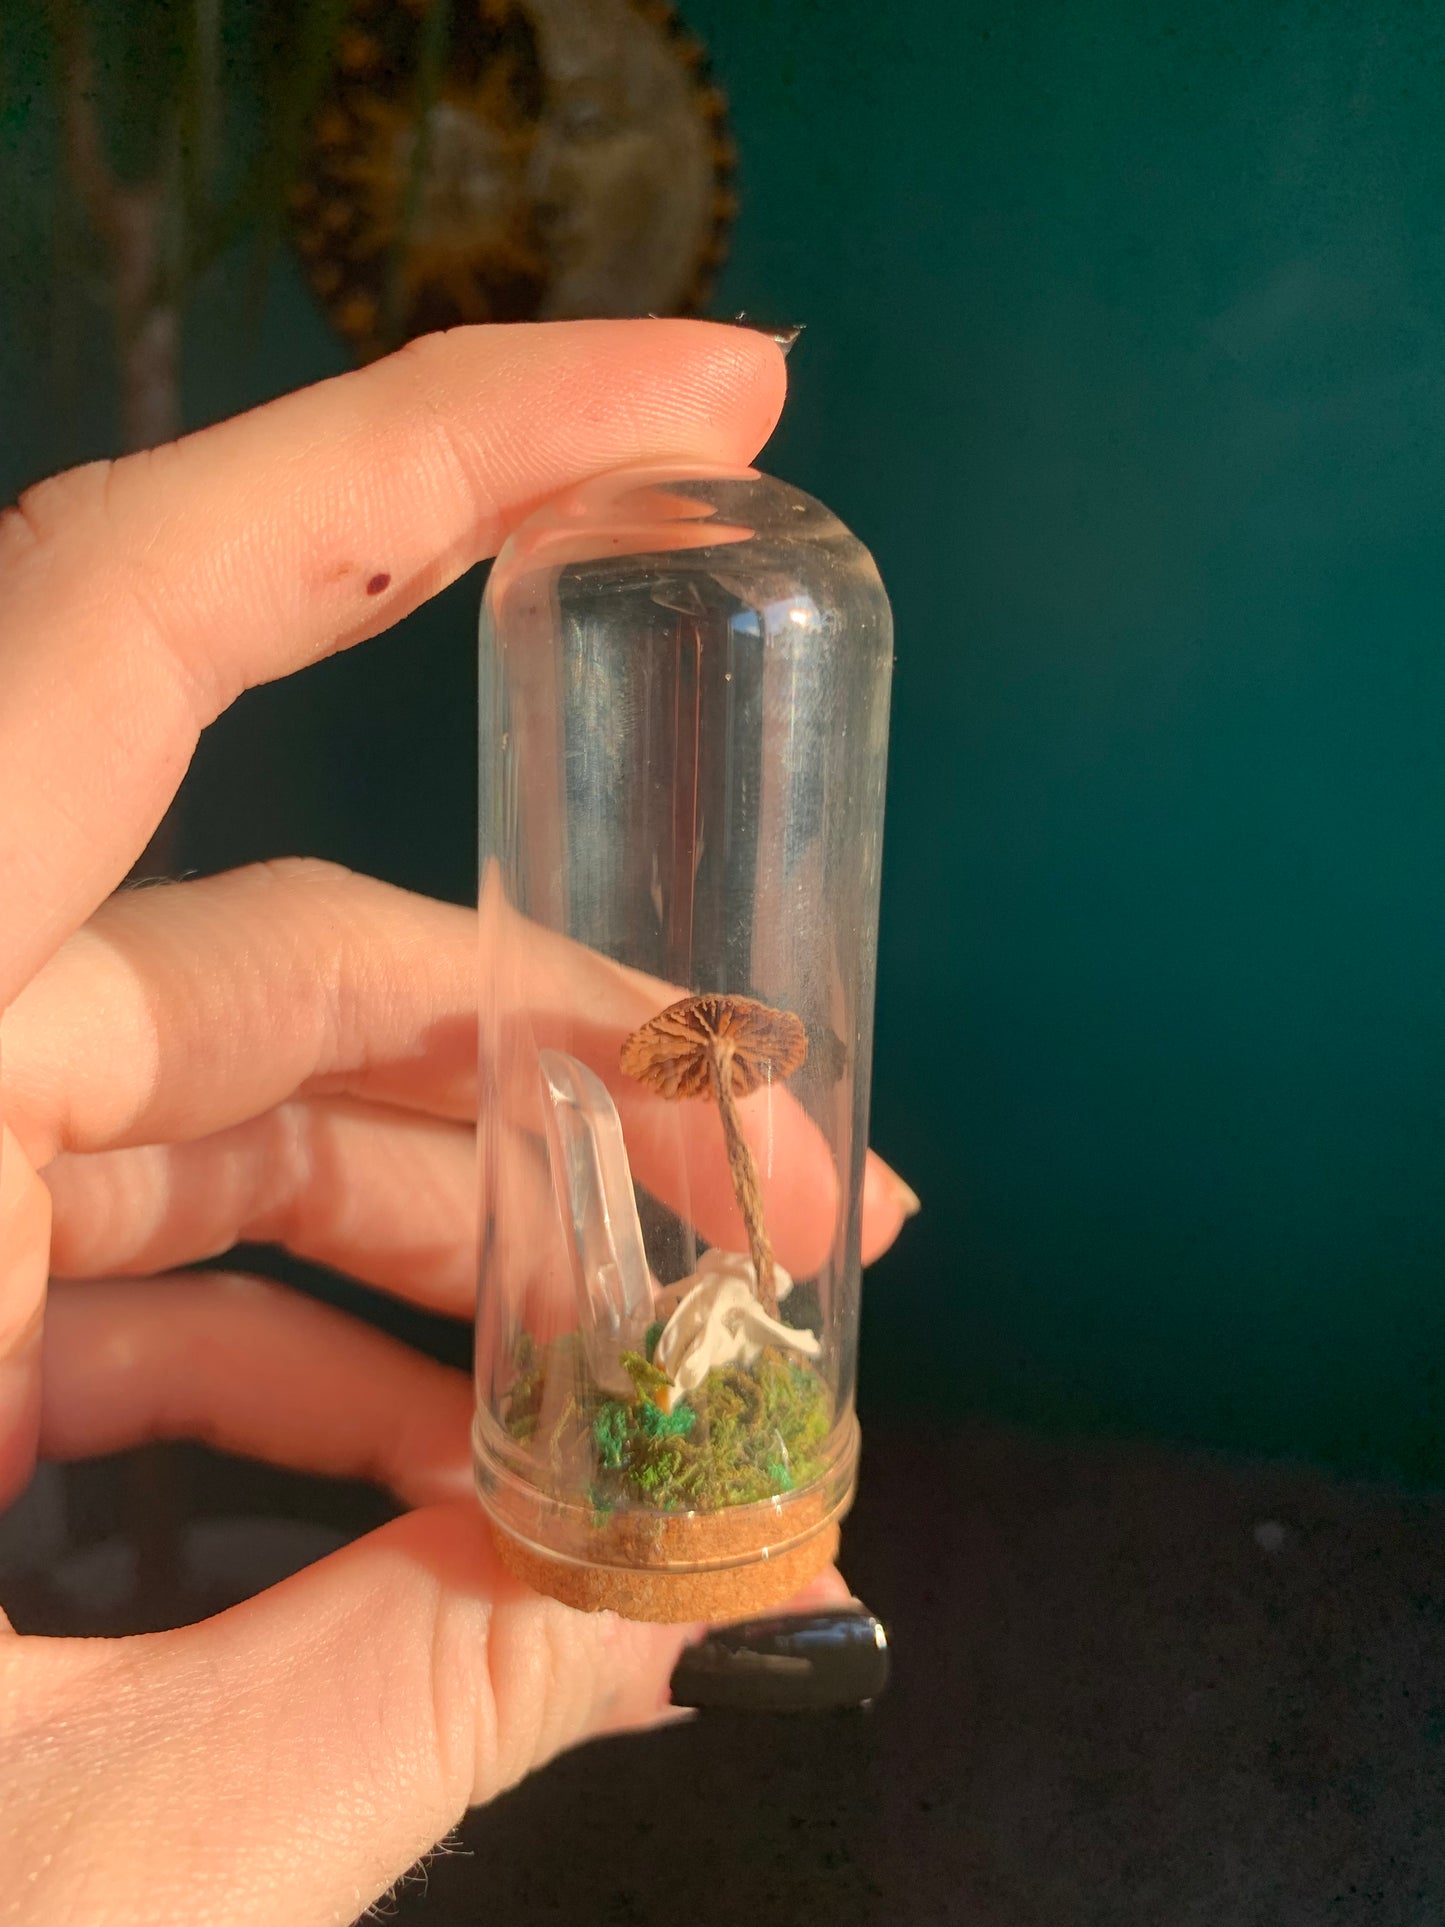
[(723, 1047)]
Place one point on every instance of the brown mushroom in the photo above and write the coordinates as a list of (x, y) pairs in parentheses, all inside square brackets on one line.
[(724, 1047)]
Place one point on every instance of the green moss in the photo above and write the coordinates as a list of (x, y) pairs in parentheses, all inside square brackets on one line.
[(656, 1475), (610, 1429), (524, 1401), (654, 1332), (644, 1375), (658, 1424), (747, 1433)]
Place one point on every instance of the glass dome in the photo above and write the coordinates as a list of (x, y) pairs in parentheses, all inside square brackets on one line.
[(684, 717)]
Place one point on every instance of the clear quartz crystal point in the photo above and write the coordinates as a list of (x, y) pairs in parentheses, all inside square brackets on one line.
[(595, 1197)]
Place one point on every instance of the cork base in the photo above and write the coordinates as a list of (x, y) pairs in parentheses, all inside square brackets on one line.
[(672, 1598), (688, 1565), (670, 1567)]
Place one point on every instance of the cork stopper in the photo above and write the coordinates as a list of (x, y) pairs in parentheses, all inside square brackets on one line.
[(677, 1597)]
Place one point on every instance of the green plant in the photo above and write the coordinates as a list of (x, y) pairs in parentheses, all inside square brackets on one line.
[(749, 1432)]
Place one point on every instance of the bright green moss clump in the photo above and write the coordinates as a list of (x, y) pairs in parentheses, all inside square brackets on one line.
[(748, 1432)]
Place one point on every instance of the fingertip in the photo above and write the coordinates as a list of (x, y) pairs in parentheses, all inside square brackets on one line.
[(830, 1588), (343, 507), (719, 388), (752, 367), (640, 1660), (888, 1204)]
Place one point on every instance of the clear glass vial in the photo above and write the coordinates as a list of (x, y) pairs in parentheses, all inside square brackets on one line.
[(684, 721)]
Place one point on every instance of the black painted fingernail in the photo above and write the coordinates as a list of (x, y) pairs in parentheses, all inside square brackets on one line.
[(793, 1663), (784, 336)]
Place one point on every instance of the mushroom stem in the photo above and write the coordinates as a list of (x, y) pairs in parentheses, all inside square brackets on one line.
[(744, 1175)]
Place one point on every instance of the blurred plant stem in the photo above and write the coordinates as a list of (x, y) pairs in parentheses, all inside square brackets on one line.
[(130, 221), (134, 223), (431, 59), (138, 96)]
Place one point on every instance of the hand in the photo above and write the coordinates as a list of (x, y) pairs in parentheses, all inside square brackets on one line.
[(282, 1054)]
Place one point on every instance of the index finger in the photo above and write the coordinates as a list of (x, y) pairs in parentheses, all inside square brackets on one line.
[(142, 596)]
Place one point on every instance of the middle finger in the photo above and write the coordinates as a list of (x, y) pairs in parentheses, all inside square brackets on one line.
[(181, 1012), (177, 1012), (387, 1196)]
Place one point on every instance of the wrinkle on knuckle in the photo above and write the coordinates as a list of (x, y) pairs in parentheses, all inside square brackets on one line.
[(82, 513), (302, 873), (516, 1693), (145, 591), (458, 464), (281, 1176), (309, 906), (564, 1703), (20, 534), (47, 512), (504, 1692), (465, 1721)]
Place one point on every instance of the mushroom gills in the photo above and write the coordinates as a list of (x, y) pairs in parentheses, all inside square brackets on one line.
[(723, 1046)]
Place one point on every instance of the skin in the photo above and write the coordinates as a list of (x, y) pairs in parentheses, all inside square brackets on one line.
[(284, 1053)]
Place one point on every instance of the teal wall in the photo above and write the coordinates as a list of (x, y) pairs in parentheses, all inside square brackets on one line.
[(1126, 353)]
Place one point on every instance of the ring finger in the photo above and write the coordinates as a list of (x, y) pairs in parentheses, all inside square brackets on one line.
[(249, 1368), (387, 1196)]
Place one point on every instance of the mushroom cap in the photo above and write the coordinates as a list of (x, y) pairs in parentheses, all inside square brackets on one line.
[(670, 1053)]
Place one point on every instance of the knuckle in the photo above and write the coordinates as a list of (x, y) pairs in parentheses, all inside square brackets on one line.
[(507, 1693), (25, 1234), (426, 365), (49, 510), (464, 1706), (273, 894), (308, 874), (314, 910), (89, 512), (421, 350)]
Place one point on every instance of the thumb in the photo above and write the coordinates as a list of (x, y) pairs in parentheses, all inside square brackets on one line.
[(291, 1758)]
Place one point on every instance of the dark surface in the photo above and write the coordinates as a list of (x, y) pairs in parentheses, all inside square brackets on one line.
[(1129, 1687)]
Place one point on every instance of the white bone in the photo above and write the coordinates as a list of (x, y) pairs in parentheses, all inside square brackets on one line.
[(717, 1320)]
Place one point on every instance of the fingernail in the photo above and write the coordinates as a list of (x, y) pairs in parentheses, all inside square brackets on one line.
[(907, 1197), (784, 336), (791, 1663)]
